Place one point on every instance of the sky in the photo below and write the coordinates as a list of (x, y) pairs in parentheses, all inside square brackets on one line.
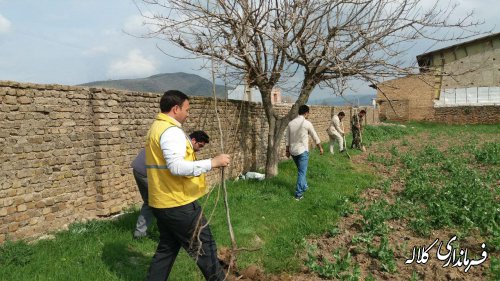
[(71, 42)]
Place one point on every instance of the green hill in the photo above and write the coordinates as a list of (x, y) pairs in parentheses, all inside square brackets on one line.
[(191, 84), (363, 100)]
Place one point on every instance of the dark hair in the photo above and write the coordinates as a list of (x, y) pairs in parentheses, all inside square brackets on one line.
[(200, 136), (172, 98), (303, 109), (362, 111), (341, 113)]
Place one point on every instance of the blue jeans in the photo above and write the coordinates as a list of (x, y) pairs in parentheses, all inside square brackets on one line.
[(301, 162)]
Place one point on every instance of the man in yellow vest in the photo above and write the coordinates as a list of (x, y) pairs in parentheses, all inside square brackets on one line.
[(175, 182), (198, 138)]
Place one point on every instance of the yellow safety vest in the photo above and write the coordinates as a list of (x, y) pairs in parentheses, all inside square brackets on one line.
[(167, 190)]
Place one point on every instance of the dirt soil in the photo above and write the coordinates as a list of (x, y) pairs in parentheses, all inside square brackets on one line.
[(400, 238)]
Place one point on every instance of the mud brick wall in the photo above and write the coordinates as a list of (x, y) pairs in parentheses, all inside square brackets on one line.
[(468, 114), (121, 120), (47, 156), (244, 133), (412, 98), (65, 151)]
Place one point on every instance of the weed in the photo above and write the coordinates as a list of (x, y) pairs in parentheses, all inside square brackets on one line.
[(489, 153), (370, 277), (495, 269), (421, 226), (332, 232), (494, 241), (371, 157), (362, 238), (414, 276), (340, 268), (405, 142), (394, 150), (382, 133), (346, 208), (374, 217), (15, 253), (384, 185), (385, 254), (386, 161), (409, 161), (430, 154)]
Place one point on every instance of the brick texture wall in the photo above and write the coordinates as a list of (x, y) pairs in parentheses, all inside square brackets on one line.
[(412, 98), (65, 151), (468, 115)]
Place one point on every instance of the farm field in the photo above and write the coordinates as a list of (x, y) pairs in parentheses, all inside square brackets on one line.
[(437, 182), (360, 219)]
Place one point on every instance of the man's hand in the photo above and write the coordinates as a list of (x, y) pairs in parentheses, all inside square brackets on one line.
[(221, 160), (320, 148)]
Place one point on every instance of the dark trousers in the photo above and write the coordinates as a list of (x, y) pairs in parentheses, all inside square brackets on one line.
[(177, 226), (146, 216), (356, 138)]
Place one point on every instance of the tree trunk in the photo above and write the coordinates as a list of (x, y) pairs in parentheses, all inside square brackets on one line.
[(276, 131), (272, 155), (272, 161)]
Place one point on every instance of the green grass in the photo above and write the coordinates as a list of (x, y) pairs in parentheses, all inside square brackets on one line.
[(265, 214)]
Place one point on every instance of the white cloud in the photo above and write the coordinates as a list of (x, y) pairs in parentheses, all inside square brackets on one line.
[(4, 24), (137, 24), (134, 65)]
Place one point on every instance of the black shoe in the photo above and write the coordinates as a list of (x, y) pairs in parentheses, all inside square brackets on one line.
[(298, 198), (342, 151)]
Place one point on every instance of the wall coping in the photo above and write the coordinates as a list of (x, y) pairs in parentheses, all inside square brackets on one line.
[(465, 105)]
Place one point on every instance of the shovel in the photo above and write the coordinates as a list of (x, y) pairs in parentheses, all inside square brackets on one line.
[(345, 143), (363, 148), (345, 148)]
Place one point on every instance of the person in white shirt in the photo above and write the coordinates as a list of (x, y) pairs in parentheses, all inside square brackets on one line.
[(336, 132), (297, 145), (198, 139)]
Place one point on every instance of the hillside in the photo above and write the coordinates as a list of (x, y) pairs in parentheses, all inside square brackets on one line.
[(347, 100), (190, 84)]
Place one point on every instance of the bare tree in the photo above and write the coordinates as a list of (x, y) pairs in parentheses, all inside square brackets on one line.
[(275, 42)]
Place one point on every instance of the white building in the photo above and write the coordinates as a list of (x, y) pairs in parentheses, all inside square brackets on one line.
[(241, 92)]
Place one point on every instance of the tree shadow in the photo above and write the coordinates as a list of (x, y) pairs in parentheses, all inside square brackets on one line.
[(127, 263)]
